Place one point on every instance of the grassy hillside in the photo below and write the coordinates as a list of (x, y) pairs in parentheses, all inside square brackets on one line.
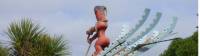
[(183, 47)]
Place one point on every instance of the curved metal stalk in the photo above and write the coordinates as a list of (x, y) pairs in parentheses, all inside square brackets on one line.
[(147, 30), (166, 32)]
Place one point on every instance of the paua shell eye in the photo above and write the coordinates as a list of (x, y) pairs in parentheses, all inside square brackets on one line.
[(105, 8)]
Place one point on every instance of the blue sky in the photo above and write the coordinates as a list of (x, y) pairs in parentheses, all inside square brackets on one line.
[(73, 17)]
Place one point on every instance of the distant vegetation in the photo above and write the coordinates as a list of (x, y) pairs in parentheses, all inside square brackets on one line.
[(28, 39), (183, 47), (3, 51)]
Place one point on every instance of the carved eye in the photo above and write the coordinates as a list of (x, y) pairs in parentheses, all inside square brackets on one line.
[(104, 8)]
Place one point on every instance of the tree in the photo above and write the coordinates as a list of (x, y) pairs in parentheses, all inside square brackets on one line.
[(183, 47), (29, 39), (3, 51)]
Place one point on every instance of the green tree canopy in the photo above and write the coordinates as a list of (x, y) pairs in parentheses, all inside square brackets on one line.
[(183, 47)]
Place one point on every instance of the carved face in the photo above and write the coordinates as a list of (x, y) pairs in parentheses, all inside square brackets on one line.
[(100, 12)]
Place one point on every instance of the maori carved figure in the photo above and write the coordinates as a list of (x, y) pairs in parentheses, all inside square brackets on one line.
[(99, 30)]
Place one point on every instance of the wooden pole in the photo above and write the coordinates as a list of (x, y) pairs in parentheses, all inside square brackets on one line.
[(88, 47)]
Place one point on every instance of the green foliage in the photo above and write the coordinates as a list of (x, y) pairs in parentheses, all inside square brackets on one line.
[(183, 47), (30, 40), (3, 51)]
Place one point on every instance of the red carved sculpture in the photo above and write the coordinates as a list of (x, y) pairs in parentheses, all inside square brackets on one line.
[(99, 29)]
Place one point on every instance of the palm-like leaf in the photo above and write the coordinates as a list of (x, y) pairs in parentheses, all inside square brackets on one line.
[(30, 40)]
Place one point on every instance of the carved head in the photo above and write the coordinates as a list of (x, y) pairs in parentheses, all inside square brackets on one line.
[(100, 12)]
